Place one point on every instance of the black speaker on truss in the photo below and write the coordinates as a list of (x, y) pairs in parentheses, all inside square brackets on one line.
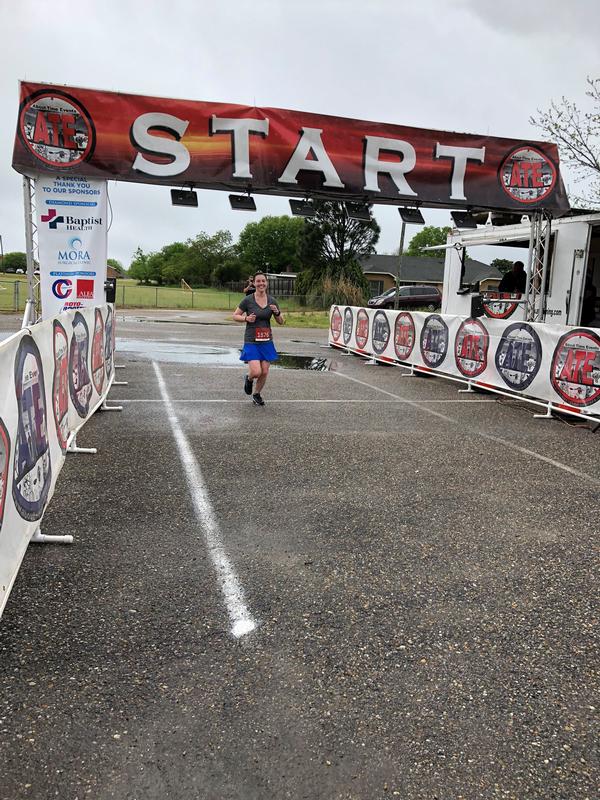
[(110, 287), (184, 197)]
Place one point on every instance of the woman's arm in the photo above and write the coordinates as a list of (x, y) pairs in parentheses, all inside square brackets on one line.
[(279, 318), (241, 316)]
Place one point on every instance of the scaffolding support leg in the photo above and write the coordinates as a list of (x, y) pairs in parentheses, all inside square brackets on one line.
[(104, 407), (468, 390), (411, 372), (72, 447), (46, 538), (547, 415)]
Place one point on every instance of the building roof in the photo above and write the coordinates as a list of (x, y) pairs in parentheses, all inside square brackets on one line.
[(426, 270)]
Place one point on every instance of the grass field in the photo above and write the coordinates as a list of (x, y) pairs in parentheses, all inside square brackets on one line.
[(13, 293)]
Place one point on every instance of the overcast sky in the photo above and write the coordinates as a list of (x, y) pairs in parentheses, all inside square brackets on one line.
[(479, 66)]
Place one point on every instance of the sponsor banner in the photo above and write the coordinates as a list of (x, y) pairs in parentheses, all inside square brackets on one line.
[(110, 135), (54, 375), (72, 242), (549, 363)]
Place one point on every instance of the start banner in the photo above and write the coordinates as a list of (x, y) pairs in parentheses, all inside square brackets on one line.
[(547, 363), (72, 242), (54, 375), (110, 135)]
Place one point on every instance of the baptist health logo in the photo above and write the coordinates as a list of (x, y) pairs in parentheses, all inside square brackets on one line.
[(70, 223), (75, 253)]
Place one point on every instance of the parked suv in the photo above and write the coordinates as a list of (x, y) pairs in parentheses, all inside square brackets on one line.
[(428, 297)]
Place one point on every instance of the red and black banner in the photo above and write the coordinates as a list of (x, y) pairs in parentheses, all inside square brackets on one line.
[(127, 137)]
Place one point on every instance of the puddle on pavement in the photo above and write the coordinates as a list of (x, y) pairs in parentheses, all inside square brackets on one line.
[(172, 352), (206, 355), (287, 361)]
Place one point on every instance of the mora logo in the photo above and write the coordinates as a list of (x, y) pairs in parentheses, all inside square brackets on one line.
[(75, 253), (62, 288)]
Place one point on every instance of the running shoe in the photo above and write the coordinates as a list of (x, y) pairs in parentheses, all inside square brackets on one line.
[(248, 385), (257, 400)]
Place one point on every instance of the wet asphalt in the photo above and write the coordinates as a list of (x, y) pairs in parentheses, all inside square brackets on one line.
[(424, 579)]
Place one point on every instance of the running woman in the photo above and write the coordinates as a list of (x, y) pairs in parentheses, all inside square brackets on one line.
[(256, 311)]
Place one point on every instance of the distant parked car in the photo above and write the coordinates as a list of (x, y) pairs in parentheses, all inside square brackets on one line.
[(20, 271), (428, 297)]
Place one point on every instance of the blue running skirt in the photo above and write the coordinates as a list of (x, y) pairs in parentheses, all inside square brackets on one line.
[(259, 351)]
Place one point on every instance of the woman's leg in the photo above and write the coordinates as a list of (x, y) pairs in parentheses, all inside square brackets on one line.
[(264, 371), (254, 370), (253, 373)]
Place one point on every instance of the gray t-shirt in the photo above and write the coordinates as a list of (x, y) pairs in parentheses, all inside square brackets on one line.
[(260, 330)]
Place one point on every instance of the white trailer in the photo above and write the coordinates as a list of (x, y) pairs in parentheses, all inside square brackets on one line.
[(562, 255)]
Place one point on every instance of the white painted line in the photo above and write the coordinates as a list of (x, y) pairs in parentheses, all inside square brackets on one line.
[(303, 402), (395, 396), (242, 621), (499, 439)]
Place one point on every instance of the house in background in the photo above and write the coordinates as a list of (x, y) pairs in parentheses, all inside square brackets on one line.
[(113, 272), (381, 271)]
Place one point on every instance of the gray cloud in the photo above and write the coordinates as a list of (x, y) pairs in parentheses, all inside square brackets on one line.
[(466, 66)]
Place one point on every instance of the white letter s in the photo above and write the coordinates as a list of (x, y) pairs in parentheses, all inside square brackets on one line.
[(147, 143)]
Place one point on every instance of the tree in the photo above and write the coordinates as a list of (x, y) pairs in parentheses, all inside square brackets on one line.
[(332, 245), (428, 236), (14, 261), (206, 253), (503, 265), (231, 270), (577, 134), (271, 244), (138, 268)]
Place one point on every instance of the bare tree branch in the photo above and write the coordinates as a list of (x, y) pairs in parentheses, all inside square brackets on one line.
[(577, 134)]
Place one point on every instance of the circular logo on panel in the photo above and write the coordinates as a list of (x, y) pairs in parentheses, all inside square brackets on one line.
[(527, 175), (56, 128), (381, 332), (404, 335), (575, 372), (348, 325), (362, 328), (4, 456), (518, 355), (336, 324), (109, 342), (471, 348), (32, 471), (80, 384), (98, 352), (498, 305), (60, 384), (434, 341)]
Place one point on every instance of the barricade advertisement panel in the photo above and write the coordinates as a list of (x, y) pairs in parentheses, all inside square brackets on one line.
[(548, 363), (72, 241), (56, 375), (111, 135)]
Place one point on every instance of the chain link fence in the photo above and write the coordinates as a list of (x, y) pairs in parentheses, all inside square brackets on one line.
[(129, 296), (13, 295)]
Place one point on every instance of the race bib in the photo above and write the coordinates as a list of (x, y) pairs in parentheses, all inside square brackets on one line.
[(262, 334)]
